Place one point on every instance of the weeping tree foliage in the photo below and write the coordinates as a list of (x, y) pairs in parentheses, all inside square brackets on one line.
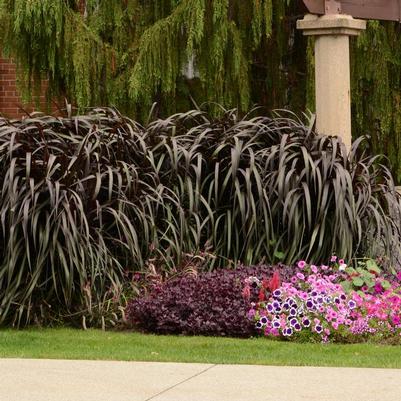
[(376, 64), (131, 53)]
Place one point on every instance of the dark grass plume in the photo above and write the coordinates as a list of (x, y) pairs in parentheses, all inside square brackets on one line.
[(86, 201)]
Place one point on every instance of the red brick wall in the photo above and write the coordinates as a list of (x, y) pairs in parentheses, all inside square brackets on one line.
[(11, 105), (9, 98)]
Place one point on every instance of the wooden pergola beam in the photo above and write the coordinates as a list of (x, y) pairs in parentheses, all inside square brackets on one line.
[(387, 10)]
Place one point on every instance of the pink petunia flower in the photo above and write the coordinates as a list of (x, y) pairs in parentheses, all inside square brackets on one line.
[(303, 295), (378, 288)]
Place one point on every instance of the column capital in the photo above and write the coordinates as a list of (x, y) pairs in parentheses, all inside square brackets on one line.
[(331, 24)]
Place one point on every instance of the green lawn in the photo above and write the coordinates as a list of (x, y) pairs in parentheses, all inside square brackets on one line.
[(95, 344)]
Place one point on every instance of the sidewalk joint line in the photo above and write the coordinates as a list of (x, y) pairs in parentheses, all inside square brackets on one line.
[(181, 382)]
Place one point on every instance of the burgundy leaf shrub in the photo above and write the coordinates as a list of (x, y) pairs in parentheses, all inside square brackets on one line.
[(208, 304)]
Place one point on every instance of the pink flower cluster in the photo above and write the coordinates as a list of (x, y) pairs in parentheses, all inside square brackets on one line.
[(314, 302), (382, 310)]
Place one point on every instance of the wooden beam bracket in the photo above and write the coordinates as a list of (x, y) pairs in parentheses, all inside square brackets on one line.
[(332, 7), (386, 10)]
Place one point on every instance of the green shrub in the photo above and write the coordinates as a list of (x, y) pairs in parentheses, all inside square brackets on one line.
[(88, 200)]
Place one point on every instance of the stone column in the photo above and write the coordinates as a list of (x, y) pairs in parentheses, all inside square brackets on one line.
[(332, 71)]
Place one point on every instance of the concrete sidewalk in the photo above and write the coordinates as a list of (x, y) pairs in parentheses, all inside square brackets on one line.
[(55, 380)]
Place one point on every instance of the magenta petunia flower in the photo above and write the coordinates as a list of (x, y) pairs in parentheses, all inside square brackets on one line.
[(274, 332), (333, 259), (378, 288), (301, 264)]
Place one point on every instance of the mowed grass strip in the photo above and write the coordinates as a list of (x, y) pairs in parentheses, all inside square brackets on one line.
[(126, 346)]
